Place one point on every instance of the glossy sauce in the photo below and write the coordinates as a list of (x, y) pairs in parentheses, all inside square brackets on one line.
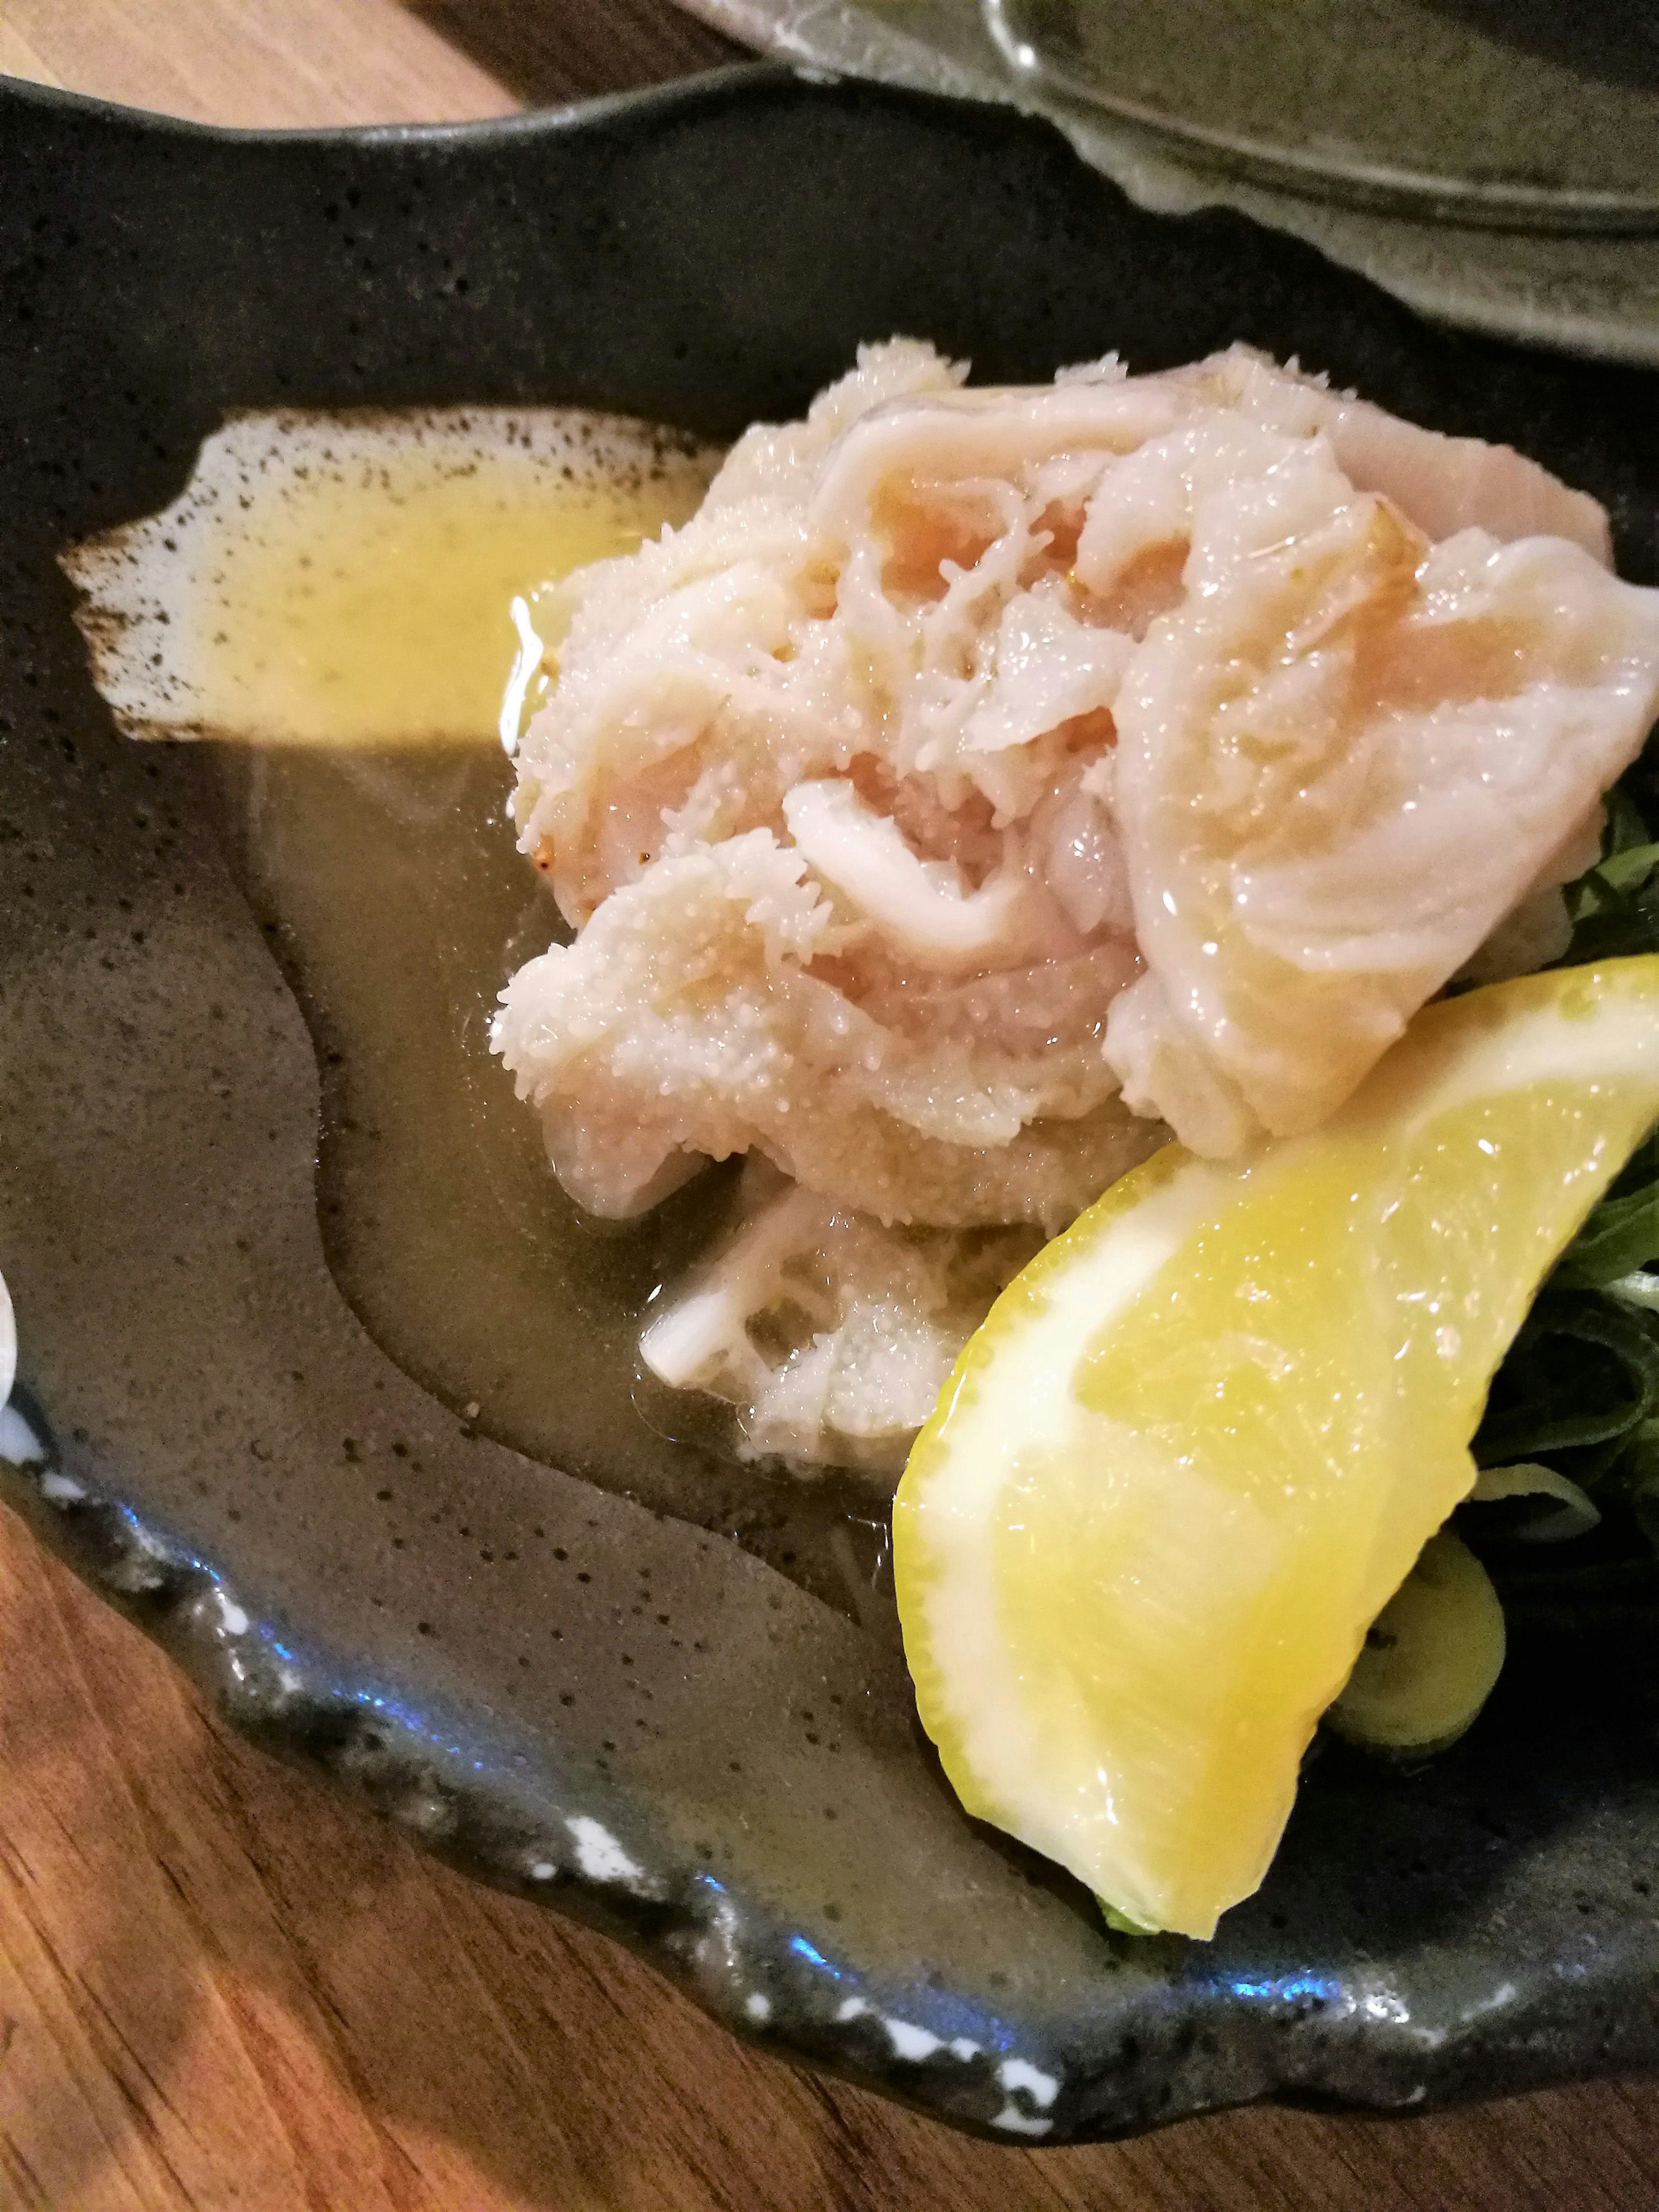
[(368, 828), (368, 603)]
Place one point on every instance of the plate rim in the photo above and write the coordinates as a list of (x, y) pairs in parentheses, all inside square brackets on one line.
[(178, 1598)]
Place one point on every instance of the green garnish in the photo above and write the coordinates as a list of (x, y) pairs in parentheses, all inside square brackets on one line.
[(1579, 1390)]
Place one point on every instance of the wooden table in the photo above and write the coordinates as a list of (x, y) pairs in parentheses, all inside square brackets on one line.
[(188, 2018)]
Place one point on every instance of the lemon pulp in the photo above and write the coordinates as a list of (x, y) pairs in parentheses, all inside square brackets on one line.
[(1199, 1442)]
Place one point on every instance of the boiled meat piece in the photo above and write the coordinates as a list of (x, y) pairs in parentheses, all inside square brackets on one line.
[(986, 782)]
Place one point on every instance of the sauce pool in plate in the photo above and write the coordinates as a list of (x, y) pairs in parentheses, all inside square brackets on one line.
[(330, 604)]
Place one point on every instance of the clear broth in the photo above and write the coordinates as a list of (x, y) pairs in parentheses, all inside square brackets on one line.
[(364, 601), (385, 876)]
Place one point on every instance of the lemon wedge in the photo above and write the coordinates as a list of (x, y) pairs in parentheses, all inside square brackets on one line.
[(1199, 1444)]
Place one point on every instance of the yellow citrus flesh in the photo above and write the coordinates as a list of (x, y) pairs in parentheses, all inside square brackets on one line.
[(1199, 1442)]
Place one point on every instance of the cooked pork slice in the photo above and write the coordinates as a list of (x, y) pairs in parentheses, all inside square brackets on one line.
[(707, 1009), (986, 781), (831, 1334)]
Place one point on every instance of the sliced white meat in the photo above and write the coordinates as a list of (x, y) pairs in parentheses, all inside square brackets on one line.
[(983, 781)]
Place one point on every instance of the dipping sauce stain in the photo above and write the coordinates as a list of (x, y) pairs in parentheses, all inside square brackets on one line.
[(374, 609), (346, 580), (359, 631)]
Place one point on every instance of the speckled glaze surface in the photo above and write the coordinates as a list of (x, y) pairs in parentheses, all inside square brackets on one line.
[(1465, 265), (578, 1694), (1520, 114)]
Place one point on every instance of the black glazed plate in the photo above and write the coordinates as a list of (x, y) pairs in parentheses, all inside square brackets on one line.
[(580, 1695)]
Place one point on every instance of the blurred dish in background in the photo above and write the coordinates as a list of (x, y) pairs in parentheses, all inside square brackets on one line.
[(1555, 243), (1521, 115)]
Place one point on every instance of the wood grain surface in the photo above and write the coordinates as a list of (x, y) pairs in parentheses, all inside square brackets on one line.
[(220, 1987)]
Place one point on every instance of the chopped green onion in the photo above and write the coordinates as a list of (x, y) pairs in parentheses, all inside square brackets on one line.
[(1574, 1513), (1627, 871), (1620, 1234), (1540, 1415), (1575, 1406)]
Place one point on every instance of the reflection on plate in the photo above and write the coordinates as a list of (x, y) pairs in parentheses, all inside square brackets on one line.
[(1521, 113), (559, 1669), (1592, 291)]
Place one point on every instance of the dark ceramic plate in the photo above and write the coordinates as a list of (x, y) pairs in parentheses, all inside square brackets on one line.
[(1504, 111), (651, 1689)]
